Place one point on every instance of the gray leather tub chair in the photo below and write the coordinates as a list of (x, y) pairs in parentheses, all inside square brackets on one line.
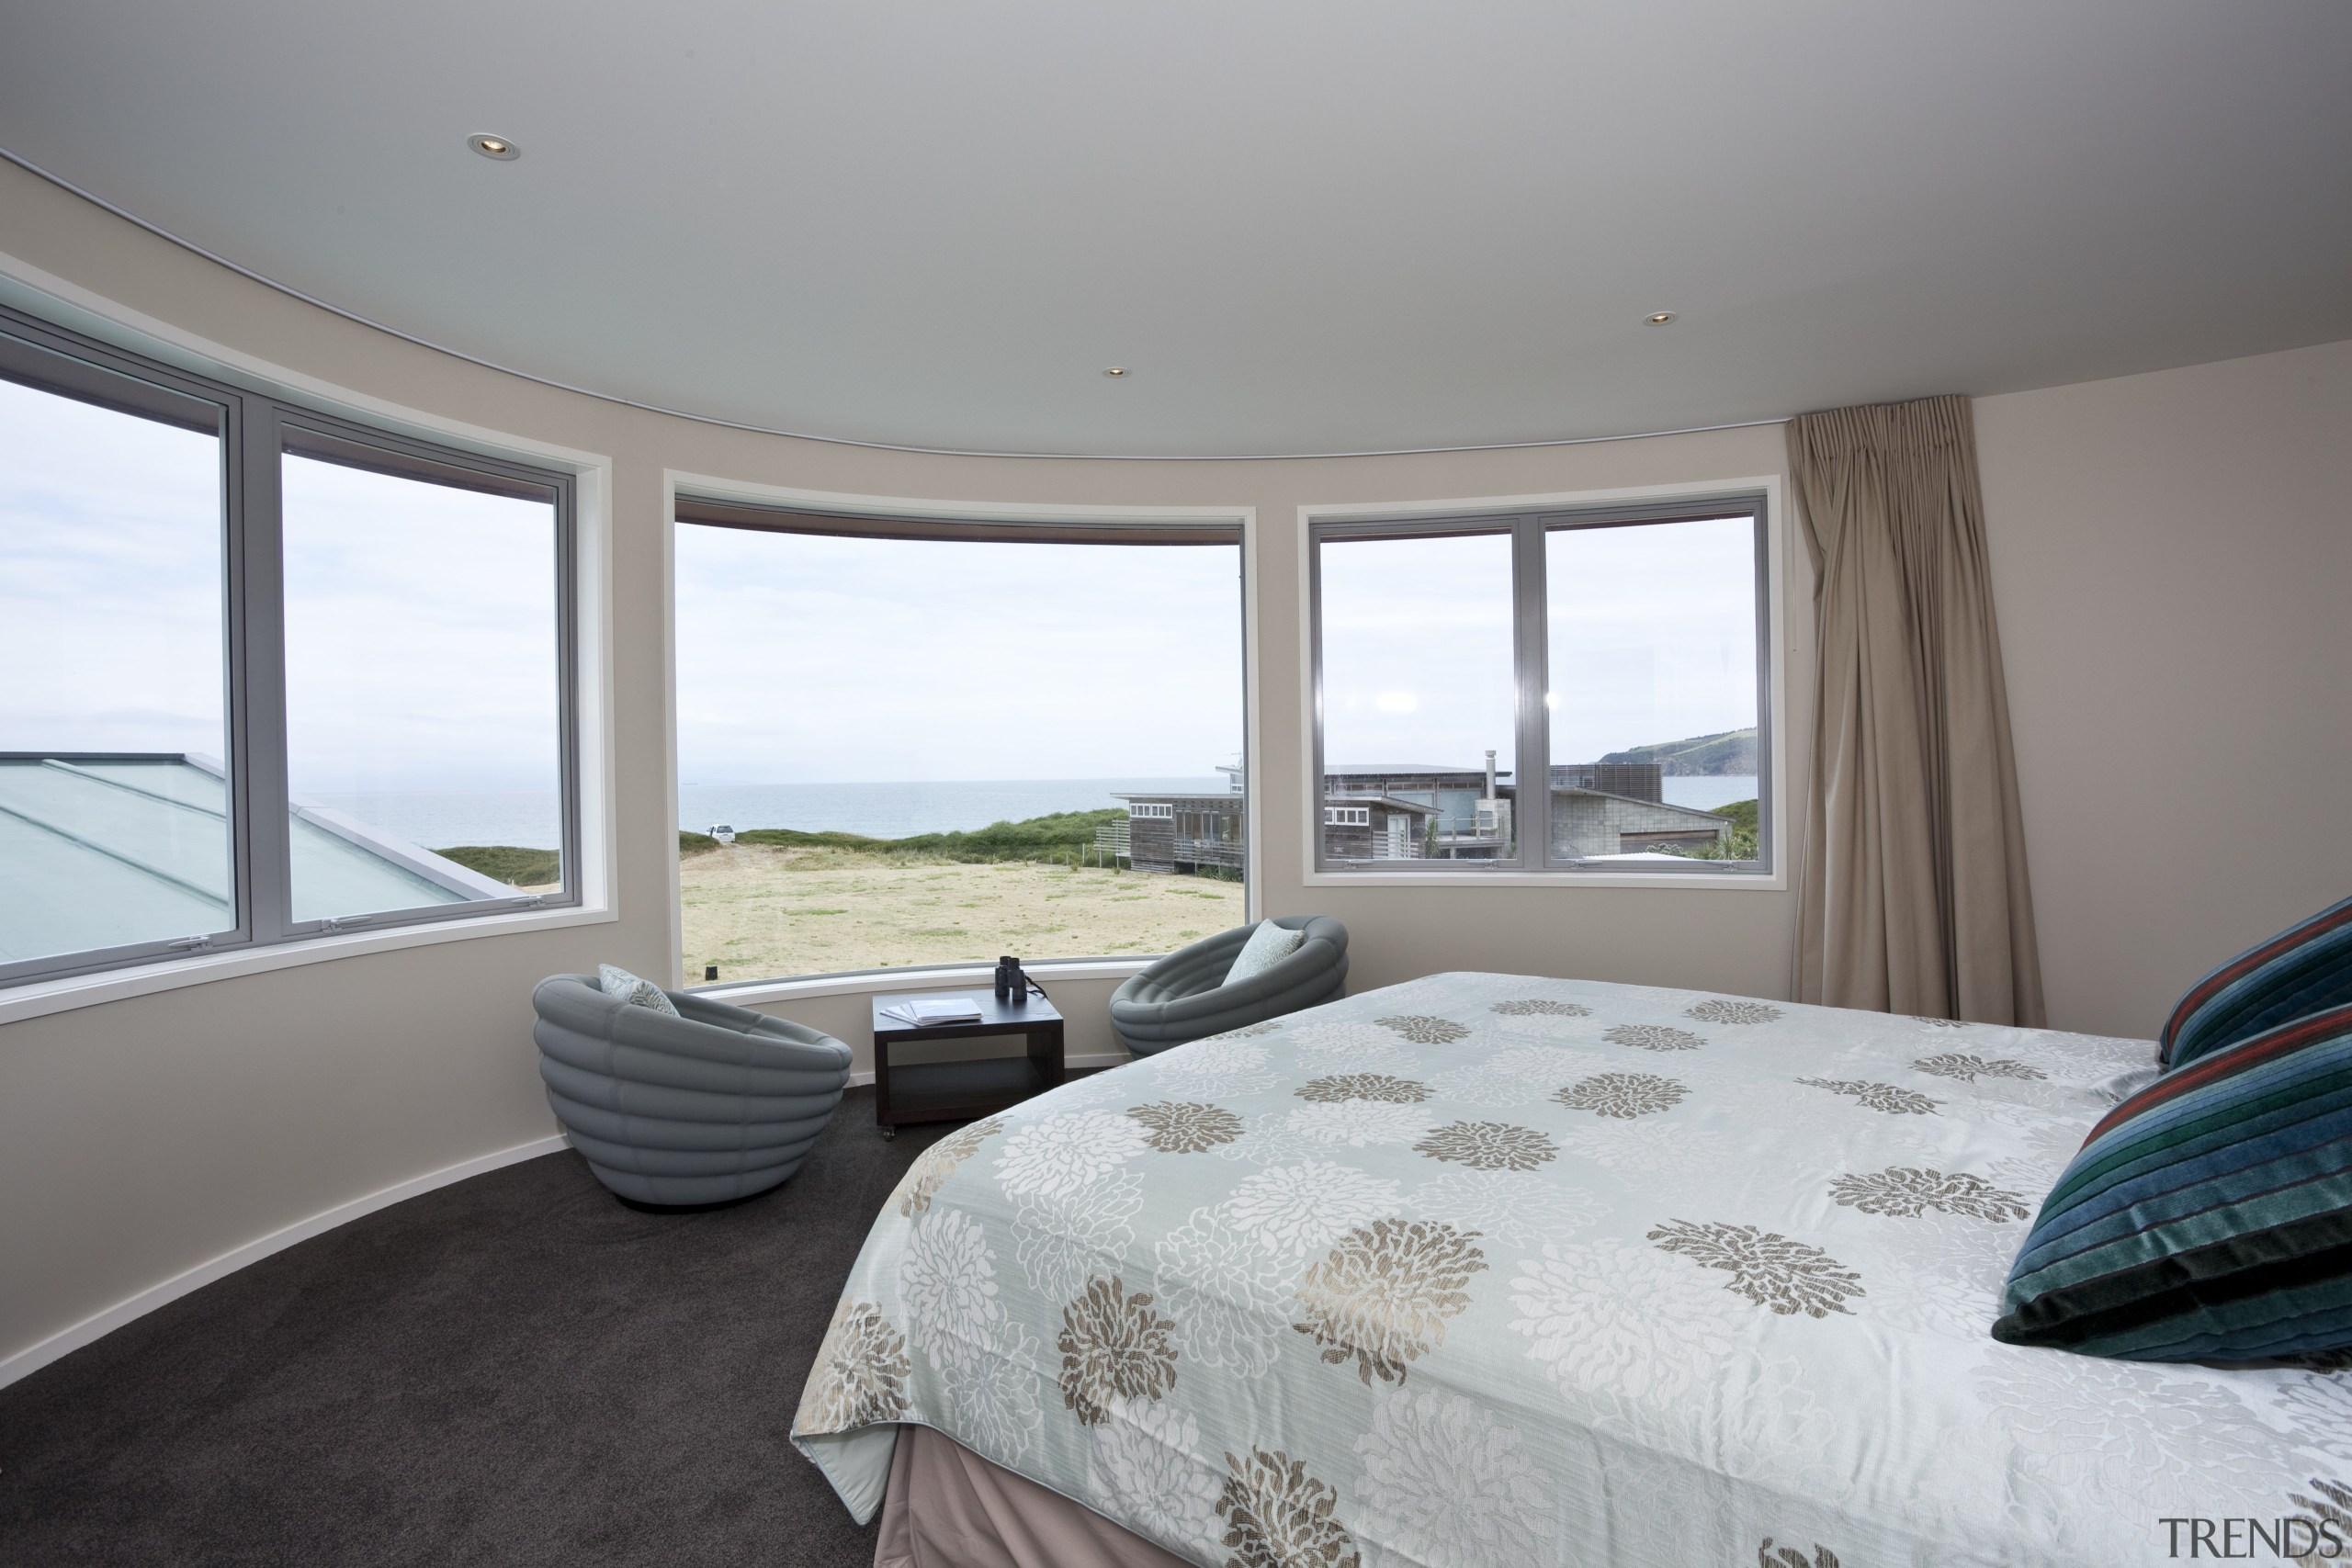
[(1184, 997), (675, 1112)]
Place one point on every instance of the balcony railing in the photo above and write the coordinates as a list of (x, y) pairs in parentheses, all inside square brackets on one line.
[(1207, 851)]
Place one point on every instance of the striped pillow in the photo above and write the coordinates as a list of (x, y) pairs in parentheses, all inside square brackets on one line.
[(2302, 969), (2207, 1218)]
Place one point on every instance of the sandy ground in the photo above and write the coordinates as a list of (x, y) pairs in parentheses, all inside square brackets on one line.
[(757, 912)]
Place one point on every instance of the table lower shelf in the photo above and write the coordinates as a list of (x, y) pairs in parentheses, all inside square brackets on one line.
[(958, 1091)]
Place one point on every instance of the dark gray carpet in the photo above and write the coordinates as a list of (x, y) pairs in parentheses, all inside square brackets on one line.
[(515, 1370)]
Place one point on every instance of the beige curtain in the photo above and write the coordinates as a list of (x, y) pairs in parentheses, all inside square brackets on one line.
[(1914, 898)]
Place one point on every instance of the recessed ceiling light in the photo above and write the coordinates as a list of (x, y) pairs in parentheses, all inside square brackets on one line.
[(497, 147), (1116, 370), (1659, 319)]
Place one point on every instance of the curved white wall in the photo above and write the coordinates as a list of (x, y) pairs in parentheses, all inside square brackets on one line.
[(140, 1138)]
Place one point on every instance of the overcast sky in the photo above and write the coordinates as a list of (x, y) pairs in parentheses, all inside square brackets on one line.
[(111, 626), (804, 659), (1652, 634), (1417, 660), (420, 635), (420, 619), (420, 628), (1651, 638)]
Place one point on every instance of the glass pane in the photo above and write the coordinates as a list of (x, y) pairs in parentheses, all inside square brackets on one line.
[(1652, 691), (423, 733), (1418, 706), (113, 806), (903, 751)]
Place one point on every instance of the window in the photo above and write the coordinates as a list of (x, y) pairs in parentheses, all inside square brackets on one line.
[(268, 668), (938, 742), (424, 693), (1624, 648), (113, 623)]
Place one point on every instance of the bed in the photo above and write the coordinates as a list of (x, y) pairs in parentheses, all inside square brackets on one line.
[(1488, 1270)]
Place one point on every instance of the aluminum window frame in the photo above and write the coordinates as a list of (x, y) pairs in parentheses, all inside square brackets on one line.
[(252, 424), (701, 501), (1529, 528), (427, 463)]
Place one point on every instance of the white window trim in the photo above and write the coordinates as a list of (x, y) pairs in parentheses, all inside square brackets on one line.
[(39, 998), (1152, 811), (715, 487), (1777, 545), (41, 293)]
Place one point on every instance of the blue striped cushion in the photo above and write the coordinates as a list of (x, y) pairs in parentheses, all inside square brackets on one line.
[(2302, 969), (2208, 1217)]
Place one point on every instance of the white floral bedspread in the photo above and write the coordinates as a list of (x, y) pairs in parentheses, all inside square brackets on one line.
[(1491, 1270)]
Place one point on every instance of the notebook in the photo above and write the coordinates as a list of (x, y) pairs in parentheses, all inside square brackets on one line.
[(936, 1010)]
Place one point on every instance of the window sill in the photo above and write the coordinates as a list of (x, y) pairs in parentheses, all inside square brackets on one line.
[(754, 993), (39, 998), (1752, 882)]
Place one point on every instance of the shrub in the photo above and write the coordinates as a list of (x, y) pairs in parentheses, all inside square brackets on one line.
[(1744, 837), (1056, 837), (515, 867)]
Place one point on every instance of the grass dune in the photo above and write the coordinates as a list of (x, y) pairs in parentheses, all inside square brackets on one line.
[(759, 910)]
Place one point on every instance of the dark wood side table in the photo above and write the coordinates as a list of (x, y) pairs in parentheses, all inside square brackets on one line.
[(958, 1091)]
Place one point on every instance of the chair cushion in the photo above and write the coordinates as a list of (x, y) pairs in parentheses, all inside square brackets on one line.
[(2208, 1216), (2302, 969), (1267, 945), (616, 981)]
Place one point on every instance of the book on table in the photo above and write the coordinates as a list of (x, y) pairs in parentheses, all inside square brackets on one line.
[(941, 1010)]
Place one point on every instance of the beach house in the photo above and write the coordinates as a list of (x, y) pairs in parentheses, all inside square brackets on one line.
[(1400, 811), (1604, 809)]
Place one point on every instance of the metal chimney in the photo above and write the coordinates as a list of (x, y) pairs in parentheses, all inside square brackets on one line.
[(1490, 773)]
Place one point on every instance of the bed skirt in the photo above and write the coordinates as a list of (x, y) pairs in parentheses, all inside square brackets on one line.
[(947, 1507)]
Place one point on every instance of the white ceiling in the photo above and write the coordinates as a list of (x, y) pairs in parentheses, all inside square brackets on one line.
[(1306, 227)]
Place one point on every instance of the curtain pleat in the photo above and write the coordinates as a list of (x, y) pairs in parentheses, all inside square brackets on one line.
[(1914, 897)]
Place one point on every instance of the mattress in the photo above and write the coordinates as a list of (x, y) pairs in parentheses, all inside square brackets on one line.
[(1488, 1269)]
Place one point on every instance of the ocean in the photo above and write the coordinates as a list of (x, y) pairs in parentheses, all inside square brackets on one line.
[(1707, 790), (528, 819), (897, 810)]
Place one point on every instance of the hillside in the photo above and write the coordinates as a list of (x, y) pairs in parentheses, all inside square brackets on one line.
[(1732, 751), (1056, 838)]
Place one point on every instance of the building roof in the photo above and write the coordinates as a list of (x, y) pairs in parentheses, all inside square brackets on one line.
[(1206, 796), (1407, 770), (1713, 819), (106, 851)]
